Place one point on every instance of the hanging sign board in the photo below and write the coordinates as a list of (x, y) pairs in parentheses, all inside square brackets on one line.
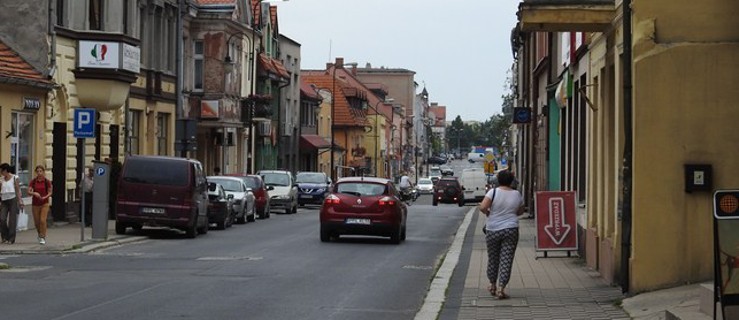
[(556, 224), (726, 249)]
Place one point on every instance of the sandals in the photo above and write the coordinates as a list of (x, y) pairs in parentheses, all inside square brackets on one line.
[(492, 290), (502, 295)]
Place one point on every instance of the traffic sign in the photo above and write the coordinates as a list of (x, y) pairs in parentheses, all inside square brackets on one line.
[(726, 204), (489, 156), (521, 115), (84, 123)]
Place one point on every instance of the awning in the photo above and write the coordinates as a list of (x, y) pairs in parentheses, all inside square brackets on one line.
[(272, 67), (312, 141), (566, 15)]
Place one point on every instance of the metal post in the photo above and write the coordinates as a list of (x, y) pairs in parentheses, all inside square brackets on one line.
[(82, 184)]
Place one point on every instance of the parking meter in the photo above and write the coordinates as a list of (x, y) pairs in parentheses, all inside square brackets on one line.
[(100, 194)]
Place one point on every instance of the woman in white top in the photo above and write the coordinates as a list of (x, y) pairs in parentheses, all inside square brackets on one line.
[(501, 206), (10, 193)]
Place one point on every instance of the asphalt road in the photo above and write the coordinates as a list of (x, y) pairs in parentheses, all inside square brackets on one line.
[(271, 269)]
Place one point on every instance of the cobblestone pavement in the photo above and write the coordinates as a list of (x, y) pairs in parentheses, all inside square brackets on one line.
[(557, 287)]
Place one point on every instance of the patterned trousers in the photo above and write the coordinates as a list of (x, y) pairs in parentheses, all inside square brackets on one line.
[(501, 250)]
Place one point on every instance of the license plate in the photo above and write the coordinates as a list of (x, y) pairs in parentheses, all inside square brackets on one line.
[(358, 221), (305, 196), (153, 210)]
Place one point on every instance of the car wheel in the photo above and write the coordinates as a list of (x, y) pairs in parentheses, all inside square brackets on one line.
[(221, 225), (395, 237), (120, 228), (269, 211), (192, 231), (461, 202), (261, 214), (435, 202), (137, 227), (241, 220), (402, 234), (325, 234), (295, 209), (251, 217), (204, 229)]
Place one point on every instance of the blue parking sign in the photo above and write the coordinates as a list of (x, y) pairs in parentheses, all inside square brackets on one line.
[(84, 123)]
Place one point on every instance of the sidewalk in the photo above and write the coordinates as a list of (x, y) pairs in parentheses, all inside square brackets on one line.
[(545, 288), (64, 237)]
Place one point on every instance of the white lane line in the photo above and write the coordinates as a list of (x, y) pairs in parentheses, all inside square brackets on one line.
[(68, 315), (437, 292)]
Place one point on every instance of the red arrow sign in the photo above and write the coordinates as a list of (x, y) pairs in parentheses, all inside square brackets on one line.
[(556, 220), (557, 229)]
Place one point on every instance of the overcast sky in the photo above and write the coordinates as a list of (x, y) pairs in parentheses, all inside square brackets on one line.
[(459, 49)]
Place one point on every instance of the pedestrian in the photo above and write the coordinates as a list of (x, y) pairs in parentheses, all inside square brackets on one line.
[(86, 187), (10, 194), (501, 206), (41, 190)]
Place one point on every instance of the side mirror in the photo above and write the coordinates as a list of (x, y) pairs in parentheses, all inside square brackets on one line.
[(211, 186), (270, 188), (230, 197), (249, 190), (295, 185)]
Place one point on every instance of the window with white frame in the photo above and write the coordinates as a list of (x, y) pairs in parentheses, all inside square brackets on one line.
[(199, 60)]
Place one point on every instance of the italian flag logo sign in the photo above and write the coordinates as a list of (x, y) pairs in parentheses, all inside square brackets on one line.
[(99, 51)]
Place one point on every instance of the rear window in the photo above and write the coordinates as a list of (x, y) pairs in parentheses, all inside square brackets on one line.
[(425, 181), (228, 184), (447, 183), (167, 173), (361, 189), (252, 182), (276, 179)]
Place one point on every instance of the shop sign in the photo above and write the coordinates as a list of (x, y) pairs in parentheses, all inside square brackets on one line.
[(210, 109), (556, 225), (108, 55), (31, 104)]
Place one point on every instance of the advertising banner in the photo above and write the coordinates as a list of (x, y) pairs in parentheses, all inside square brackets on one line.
[(726, 247), (556, 223)]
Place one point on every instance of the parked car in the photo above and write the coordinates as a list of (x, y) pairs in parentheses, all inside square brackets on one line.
[(243, 198), (220, 206), (364, 206), (162, 191), (448, 190), (285, 193), (435, 174), (446, 170), (425, 185), (437, 160), (312, 187), (260, 191)]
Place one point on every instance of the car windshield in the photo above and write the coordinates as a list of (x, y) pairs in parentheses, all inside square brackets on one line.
[(447, 183), (228, 184), (361, 189), (310, 177), (276, 179), (425, 181), (170, 173), (434, 172)]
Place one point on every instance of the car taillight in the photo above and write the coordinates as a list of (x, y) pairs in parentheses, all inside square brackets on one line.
[(332, 199), (387, 201)]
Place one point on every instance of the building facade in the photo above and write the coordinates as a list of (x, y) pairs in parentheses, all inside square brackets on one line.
[(290, 109)]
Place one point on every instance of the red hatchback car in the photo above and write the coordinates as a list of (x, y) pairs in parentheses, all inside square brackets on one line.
[(260, 191), (364, 206)]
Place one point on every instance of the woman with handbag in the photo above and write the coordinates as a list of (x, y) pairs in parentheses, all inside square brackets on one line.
[(10, 194), (501, 206), (40, 188)]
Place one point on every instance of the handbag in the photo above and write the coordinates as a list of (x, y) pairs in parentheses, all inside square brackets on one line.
[(485, 231)]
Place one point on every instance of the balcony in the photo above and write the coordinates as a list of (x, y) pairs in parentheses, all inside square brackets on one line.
[(566, 15)]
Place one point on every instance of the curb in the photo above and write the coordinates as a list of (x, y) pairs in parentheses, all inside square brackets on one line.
[(83, 247), (436, 295)]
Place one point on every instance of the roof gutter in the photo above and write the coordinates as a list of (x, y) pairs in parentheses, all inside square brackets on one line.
[(626, 214)]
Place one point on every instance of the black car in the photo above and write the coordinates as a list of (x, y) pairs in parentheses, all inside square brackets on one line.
[(448, 190), (220, 206), (437, 160)]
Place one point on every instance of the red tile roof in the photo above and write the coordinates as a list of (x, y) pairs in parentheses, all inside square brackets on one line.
[(345, 115), (308, 91), (273, 66), (273, 17), (312, 141), (14, 69), (440, 114), (256, 7)]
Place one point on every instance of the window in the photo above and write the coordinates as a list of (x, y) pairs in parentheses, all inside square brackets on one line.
[(162, 129), (95, 15), (125, 17), (134, 131), (21, 145), (60, 12), (198, 70)]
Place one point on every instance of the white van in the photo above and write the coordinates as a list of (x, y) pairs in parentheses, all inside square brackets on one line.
[(474, 182)]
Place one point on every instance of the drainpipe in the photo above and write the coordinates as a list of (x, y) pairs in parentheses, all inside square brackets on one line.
[(280, 147), (52, 33), (626, 223)]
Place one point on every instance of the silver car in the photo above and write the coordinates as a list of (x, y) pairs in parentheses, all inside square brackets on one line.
[(425, 185), (243, 197)]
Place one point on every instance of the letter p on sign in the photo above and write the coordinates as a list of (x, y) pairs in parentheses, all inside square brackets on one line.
[(84, 123)]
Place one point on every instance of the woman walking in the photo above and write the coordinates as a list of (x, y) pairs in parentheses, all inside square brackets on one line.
[(501, 206), (10, 194), (40, 188)]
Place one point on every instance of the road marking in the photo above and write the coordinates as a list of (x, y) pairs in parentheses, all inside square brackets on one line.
[(437, 292), (228, 258), (418, 267)]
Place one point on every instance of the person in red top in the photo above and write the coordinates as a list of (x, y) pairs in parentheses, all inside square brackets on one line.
[(40, 189)]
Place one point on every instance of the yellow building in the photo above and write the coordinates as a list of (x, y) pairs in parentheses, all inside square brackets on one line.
[(375, 143), (683, 67)]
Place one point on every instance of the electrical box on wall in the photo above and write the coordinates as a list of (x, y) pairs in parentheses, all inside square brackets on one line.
[(698, 177)]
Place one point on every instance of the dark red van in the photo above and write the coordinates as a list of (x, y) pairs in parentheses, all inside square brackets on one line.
[(162, 191)]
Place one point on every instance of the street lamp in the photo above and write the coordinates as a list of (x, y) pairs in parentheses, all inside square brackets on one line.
[(333, 111)]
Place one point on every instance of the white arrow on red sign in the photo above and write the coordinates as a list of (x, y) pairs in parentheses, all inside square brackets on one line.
[(557, 229)]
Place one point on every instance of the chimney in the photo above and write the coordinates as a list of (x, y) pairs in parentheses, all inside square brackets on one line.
[(340, 62), (354, 69), (329, 65), (368, 66)]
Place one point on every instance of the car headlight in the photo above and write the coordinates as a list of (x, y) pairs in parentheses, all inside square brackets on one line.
[(320, 190), (283, 197)]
